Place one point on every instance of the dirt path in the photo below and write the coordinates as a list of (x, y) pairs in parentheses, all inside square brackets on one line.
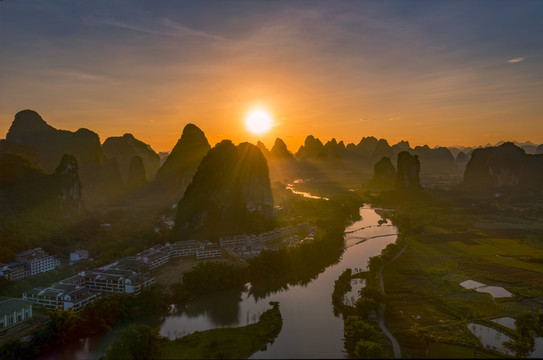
[(172, 272), (395, 345)]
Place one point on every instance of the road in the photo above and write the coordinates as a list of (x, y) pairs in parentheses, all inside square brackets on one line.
[(395, 344)]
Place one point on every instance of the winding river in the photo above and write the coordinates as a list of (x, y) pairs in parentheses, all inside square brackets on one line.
[(310, 329)]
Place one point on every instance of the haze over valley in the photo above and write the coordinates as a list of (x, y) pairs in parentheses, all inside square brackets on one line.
[(325, 179)]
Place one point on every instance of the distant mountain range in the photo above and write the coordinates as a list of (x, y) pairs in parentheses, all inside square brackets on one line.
[(126, 168), (506, 167)]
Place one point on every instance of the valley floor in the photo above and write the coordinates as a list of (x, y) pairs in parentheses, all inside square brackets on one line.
[(427, 309)]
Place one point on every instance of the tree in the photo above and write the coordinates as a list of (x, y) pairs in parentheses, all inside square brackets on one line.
[(372, 292), (369, 350), (364, 305), (356, 329), (14, 349), (136, 342)]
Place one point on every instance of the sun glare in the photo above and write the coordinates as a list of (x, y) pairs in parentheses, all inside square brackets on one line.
[(258, 121)]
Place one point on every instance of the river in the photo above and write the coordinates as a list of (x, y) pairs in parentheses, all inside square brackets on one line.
[(310, 329)]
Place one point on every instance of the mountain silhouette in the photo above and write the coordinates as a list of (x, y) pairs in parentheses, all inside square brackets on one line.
[(30, 152), (229, 194), (175, 175), (25, 188), (125, 147), (504, 168), (98, 174), (281, 163), (366, 147), (136, 174), (384, 174), (382, 149), (407, 176), (312, 149)]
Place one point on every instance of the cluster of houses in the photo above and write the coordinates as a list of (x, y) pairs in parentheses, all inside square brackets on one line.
[(161, 254), (36, 261), (29, 263), (246, 246), (126, 276)]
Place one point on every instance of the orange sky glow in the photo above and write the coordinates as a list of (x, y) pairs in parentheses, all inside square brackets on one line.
[(340, 70)]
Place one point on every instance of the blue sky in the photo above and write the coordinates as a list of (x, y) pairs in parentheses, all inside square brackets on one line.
[(431, 72)]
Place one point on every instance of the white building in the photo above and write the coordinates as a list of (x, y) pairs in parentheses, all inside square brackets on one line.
[(37, 261), (235, 241), (208, 251), (59, 295), (78, 255), (13, 312), (155, 256), (80, 290), (184, 248), (118, 281), (14, 271)]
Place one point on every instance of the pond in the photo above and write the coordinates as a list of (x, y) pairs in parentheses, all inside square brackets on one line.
[(494, 339), (351, 296), (494, 291), (490, 338), (310, 329)]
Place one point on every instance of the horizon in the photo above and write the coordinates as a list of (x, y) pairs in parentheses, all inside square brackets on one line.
[(293, 150), (342, 70)]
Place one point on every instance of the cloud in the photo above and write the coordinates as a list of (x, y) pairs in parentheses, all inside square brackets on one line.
[(515, 60), (164, 27), (77, 74)]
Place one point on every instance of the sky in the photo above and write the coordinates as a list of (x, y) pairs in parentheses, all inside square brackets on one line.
[(429, 72)]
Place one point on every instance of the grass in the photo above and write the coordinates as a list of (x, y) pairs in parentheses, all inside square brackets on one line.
[(227, 343), (426, 304), (446, 351), (16, 289)]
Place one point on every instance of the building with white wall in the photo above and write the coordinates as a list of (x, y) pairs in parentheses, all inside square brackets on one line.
[(13, 312), (14, 271), (37, 261), (78, 255)]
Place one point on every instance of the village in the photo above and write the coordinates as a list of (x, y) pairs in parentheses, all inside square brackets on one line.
[(127, 275)]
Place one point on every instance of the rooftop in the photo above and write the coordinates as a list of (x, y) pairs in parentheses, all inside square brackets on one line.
[(9, 305)]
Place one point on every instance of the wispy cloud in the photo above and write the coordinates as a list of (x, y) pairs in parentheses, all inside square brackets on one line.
[(515, 60), (77, 74), (163, 27)]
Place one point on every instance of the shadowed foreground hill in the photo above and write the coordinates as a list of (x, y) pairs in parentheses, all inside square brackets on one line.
[(176, 173), (100, 176), (125, 147), (25, 188), (504, 168), (229, 194)]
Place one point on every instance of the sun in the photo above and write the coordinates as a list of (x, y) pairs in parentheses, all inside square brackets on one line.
[(258, 121)]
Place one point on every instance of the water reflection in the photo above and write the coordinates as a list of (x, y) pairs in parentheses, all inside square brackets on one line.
[(490, 338), (310, 329)]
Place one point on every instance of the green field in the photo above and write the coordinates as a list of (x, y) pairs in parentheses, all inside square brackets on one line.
[(428, 310)]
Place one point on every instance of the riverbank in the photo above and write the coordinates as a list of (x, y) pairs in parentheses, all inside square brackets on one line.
[(428, 311), (231, 343)]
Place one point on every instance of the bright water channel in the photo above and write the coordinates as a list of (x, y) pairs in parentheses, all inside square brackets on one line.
[(310, 329)]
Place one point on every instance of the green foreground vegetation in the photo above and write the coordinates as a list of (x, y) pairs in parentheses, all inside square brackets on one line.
[(448, 242), (143, 342), (269, 272)]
